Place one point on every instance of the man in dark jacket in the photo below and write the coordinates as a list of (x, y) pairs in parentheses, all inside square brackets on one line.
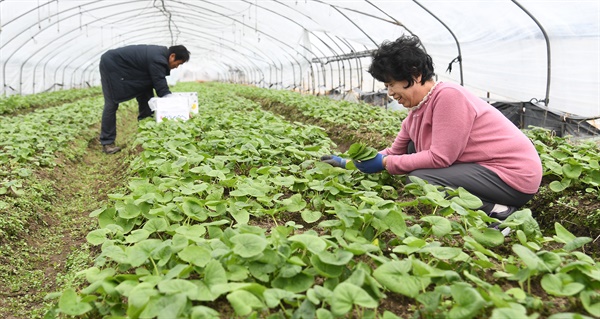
[(134, 72)]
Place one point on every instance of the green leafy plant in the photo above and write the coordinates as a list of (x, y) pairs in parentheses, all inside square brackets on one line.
[(232, 209), (361, 152)]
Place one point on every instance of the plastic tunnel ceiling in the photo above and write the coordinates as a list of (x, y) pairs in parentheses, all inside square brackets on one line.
[(522, 50)]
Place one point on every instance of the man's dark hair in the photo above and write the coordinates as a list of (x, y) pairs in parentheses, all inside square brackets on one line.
[(401, 60), (181, 53)]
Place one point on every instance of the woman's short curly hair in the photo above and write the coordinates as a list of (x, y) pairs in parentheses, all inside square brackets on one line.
[(401, 60)]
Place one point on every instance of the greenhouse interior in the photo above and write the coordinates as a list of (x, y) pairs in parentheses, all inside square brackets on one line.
[(257, 174)]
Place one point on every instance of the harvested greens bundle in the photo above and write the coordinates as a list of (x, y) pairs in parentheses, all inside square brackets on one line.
[(361, 152)]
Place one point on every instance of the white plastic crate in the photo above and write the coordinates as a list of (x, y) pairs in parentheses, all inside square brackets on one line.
[(192, 100), (174, 107)]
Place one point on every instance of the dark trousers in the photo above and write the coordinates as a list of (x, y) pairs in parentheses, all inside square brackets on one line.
[(108, 130), (476, 179)]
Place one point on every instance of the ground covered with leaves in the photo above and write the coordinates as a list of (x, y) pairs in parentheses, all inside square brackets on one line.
[(48, 248), (234, 217)]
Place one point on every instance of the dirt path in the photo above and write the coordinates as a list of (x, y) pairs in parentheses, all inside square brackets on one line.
[(47, 255)]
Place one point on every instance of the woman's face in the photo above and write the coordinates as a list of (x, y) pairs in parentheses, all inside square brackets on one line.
[(405, 96)]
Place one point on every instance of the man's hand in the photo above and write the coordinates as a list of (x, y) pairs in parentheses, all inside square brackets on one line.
[(374, 165), (334, 160)]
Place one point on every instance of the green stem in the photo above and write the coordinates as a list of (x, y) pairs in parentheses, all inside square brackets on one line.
[(155, 267)]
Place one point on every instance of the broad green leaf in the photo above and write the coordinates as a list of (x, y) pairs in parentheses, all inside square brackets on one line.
[(340, 257), (467, 301), (248, 245), (297, 284), (178, 270), (177, 286), (178, 242), (306, 310), (136, 255), (550, 260), (241, 216), (243, 302), (215, 274), (203, 312), (437, 198), (560, 285), (559, 186), (70, 303), (466, 199), (138, 298), (572, 171), (310, 216), (415, 242), (129, 211), (559, 154), (324, 314), (442, 252), (530, 259), (562, 234), (295, 203), (273, 296), (578, 242), (514, 311), (95, 274), (95, 213), (346, 295), (312, 243), (395, 222), (440, 226), (193, 208), (326, 269), (591, 302), (395, 277), (205, 293), (137, 235), (196, 255), (164, 307), (346, 213), (97, 237), (194, 232), (361, 152), (488, 237), (157, 224), (116, 253), (389, 315), (553, 166), (571, 241), (518, 293)]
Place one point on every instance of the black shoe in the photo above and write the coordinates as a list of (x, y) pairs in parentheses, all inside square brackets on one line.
[(504, 214), (110, 148)]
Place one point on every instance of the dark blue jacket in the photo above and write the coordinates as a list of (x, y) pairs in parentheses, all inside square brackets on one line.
[(132, 70)]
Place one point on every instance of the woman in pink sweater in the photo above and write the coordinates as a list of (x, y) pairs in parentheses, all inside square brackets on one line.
[(451, 137)]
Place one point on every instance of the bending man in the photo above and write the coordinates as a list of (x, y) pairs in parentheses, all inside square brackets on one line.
[(134, 71)]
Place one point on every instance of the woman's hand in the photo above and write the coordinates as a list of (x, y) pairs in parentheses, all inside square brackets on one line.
[(374, 165), (334, 160)]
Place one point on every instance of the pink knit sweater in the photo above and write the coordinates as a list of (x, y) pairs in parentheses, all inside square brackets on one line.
[(455, 126)]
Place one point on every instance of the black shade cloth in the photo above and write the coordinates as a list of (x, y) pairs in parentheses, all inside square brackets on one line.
[(524, 114)]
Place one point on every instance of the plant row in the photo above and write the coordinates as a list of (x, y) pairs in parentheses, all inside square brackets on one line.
[(568, 164), (571, 171), (361, 119), (565, 164), (234, 208), (31, 141), (13, 103)]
